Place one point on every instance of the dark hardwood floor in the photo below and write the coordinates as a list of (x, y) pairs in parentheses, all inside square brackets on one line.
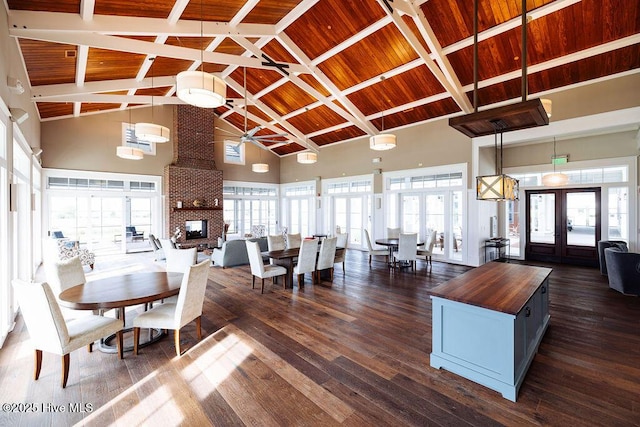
[(355, 352)]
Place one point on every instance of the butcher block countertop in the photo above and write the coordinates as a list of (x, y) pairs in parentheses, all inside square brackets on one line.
[(496, 286)]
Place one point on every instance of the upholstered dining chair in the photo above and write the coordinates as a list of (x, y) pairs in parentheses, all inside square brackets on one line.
[(407, 249), (426, 253), (51, 333), (179, 260), (306, 260), (374, 252), (341, 242), (258, 269), (294, 241), (275, 242), (326, 258), (175, 315), (393, 233)]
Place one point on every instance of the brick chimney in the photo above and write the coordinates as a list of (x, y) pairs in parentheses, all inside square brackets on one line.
[(193, 176)]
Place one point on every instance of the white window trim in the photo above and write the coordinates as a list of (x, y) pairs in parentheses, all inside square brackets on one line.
[(241, 154)]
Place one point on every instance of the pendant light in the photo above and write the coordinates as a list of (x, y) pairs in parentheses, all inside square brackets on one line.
[(554, 179), (260, 167), (498, 186), (198, 88), (307, 158), (382, 141), (150, 131), (127, 152)]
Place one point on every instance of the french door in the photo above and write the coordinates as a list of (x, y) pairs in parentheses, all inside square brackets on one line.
[(351, 215), (563, 226)]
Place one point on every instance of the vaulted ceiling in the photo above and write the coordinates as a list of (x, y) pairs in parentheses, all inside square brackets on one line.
[(323, 71)]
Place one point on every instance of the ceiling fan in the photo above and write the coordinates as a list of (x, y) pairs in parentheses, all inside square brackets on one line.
[(249, 135)]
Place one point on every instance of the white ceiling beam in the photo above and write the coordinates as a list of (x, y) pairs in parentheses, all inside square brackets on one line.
[(131, 26), (391, 73), (77, 109), (143, 47), (243, 12), (81, 64), (516, 22), (41, 93), (459, 97), (329, 129), (295, 13), (176, 11), (86, 9), (114, 99)]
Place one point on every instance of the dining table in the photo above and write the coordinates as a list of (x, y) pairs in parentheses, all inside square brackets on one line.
[(392, 245), (119, 292), (285, 257)]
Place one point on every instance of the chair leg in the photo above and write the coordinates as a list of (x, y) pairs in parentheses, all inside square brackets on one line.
[(90, 348), (262, 287), (369, 259), (136, 340), (176, 338), (65, 369), (253, 282), (119, 343), (37, 359), (301, 280), (199, 328)]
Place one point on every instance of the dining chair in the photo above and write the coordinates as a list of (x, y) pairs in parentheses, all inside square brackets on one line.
[(341, 242), (258, 269), (407, 249), (175, 315), (326, 258), (393, 233), (374, 252), (50, 332), (306, 260), (275, 242), (294, 240), (426, 253), (166, 243), (179, 260)]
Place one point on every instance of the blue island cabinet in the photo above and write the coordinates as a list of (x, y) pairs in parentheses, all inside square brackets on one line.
[(488, 324)]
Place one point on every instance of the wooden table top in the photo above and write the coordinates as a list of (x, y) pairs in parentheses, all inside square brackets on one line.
[(122, 291), (289, 253), (393, 241), (496, 286)]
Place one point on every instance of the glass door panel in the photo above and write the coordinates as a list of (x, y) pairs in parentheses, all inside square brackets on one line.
[(581, 219), (355, 223), (542, 219), (434, 218), (456, 224), (618, 214), (410, 214), (339, 214)]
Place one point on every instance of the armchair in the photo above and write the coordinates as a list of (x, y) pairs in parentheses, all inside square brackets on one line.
[(66, 249), (133, 234), (604, 244), (623, 271)]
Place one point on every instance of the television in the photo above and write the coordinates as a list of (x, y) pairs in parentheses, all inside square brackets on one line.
[(196, 229)]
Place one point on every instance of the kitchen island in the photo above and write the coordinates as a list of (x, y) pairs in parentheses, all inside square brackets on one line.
[(488, 324)]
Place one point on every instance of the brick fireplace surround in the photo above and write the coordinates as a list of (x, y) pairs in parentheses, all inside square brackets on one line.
[(193, 175)]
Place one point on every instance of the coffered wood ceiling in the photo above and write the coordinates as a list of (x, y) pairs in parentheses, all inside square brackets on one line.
[(324, 71)]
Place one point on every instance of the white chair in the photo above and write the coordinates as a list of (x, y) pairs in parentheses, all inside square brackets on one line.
[(326, 258), (166, 243), (275, 242), (306, 260), (179, 260), (393, 233), (407, 249), (375, 252), (51, 333), (341, 242), (294, 241), (176, 315), (258, 269), (426, 253)]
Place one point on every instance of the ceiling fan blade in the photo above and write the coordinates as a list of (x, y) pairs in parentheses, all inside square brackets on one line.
[(271, 140), (253, 131), (273, 135)]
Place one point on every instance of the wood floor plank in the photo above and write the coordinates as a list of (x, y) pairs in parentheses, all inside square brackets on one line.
[(354, 352)]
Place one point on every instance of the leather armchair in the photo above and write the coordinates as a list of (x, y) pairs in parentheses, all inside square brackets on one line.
[(624, 271), (602, 245)]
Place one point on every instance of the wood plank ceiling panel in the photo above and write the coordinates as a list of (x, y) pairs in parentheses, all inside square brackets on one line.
[(314, 83), (49, 110), (287, 98), (382, 51), (417, 114), (330, 22), (105, 64), (257, 79), (259, 113), (92, 107), (156, 91), (278, 53), (338, 135), (219, 10), (316, 119), (270, 11), (147, 9), (237, 120), (63, 6), (401, 89), (293, 147), (49, 63)]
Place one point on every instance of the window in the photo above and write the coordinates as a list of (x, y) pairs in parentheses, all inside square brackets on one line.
[(234, 152), (249, 205), (129, 140)]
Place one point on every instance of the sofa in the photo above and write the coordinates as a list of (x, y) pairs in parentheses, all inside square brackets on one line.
[(624, 270), (234, 252)]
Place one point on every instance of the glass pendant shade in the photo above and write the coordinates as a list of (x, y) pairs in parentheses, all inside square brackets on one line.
[(129, 153), (307, 158), (383, 141), (260, 167), (555, 179), (201, 89), (497, 187), (152, 132)]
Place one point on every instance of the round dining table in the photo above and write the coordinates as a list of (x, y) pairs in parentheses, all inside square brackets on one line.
[(118, 292), (392, 244)]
